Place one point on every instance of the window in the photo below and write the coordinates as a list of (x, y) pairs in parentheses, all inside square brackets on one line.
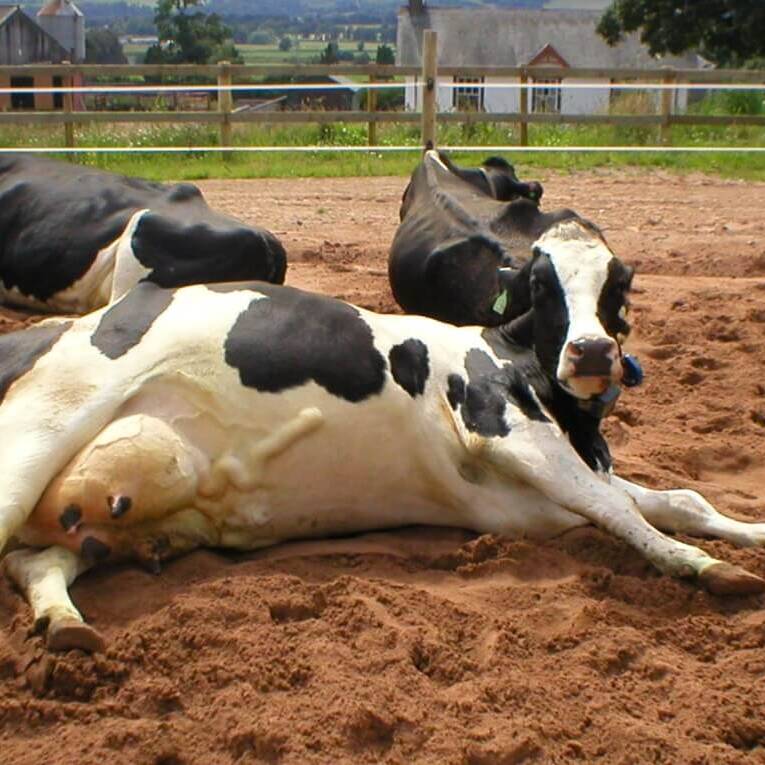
[(58, 98), (468, 96), (546, 99), (22, 100)]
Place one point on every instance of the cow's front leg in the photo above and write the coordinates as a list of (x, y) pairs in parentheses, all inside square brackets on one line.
[(44, 578), (686, 511), (539, 454)]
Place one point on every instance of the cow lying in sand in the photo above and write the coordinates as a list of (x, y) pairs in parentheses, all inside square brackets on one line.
[(459, 247), (241, 415), (495, 178), (73, 239)]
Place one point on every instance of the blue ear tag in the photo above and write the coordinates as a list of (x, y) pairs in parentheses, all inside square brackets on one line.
[(633, 372), (500, 304)]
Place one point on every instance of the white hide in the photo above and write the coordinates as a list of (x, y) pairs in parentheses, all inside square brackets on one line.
[(580, 260)]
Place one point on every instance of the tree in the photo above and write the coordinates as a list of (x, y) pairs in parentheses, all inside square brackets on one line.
[(102, 46), (727, 32), (189, 38), (285, 44), (330, 54), (385, 55), (260, 37)]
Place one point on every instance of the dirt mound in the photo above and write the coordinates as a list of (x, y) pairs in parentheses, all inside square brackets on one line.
[(432, 645)]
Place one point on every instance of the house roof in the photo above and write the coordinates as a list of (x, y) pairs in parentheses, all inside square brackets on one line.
[(59, 8), (6, 11), (587, 5), (512, 37)]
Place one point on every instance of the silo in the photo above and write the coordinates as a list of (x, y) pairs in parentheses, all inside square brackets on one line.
[(64, 21)]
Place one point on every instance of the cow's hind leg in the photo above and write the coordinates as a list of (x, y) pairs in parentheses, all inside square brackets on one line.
[(687, 512), (44, 578), (539, 455)]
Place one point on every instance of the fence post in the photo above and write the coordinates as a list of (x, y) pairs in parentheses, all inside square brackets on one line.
[(372, 107), (429, 78), (524, 107), (68, 108), (225, 103), (667, 99)]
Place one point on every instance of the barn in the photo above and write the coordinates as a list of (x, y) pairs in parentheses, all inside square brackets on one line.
[(56, 36), (490, 36)]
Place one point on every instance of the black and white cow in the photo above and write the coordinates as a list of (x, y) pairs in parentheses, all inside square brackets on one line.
[(495, 178), (241, 415), (459, 247), (72, 238)]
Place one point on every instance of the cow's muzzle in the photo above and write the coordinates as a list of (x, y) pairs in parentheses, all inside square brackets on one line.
[(590, 366)]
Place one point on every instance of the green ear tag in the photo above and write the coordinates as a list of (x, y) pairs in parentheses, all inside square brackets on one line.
[(500, 304)]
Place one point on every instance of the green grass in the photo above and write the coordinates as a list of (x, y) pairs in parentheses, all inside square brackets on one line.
[(302, 52), (190, 166)]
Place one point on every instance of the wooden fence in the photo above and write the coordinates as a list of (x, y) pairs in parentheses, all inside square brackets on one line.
[(223, 77)]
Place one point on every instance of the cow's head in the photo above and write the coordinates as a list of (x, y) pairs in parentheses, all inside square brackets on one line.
[(576, 292), (505, 184)]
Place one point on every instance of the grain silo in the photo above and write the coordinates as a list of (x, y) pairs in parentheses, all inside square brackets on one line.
[(64, 21)]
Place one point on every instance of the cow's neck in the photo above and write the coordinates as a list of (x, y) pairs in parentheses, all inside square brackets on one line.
[(581, 425)]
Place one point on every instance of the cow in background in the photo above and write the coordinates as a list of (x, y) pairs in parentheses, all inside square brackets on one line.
[(73, 238), (463, 237)]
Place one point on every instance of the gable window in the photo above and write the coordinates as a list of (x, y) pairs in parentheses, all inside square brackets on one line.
[(546, 99), (468, 95)]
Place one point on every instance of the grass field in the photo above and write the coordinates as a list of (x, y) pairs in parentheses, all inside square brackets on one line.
[(303, 52), (190, 165)]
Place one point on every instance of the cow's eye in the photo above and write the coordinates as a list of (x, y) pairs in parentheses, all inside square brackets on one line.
[(538, 287)]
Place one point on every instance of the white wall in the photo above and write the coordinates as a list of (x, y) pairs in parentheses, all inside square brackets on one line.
[(573, 100)]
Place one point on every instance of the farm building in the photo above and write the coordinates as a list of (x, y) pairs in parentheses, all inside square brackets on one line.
[(59, 36), (484, 37)]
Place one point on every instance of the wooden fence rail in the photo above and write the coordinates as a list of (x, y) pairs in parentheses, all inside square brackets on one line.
[(430, 76)]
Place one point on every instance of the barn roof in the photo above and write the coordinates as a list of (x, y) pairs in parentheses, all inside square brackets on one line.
[(6, 11), (59, 8), (490, 36)]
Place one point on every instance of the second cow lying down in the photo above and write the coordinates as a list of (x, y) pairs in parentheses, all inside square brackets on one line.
[(464, 236), (73, 238), (242, 415)]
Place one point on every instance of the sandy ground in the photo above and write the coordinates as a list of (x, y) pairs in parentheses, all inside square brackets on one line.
[(430, 645)]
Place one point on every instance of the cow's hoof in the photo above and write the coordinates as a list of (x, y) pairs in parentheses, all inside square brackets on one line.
[(66, 634), (727, 579)]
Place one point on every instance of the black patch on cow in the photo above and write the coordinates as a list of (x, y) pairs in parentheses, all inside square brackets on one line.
[(71, 517), (582, 429), (489, 390), (456, 391), (20, 350), (409, 365), (124, 324), (520, 390), (118, 506), (181, 251), (485, 396), (94, 550), (291, 337), (613, 296)]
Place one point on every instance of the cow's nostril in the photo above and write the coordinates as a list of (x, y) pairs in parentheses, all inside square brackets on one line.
[(575, 349)]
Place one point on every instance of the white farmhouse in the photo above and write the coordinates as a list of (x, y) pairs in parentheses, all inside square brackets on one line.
[(489, 36)]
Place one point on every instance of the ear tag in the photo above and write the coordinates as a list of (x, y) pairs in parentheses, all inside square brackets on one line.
[(500, 304)]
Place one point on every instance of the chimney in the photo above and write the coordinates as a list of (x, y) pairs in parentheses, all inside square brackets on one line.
[(416, 7)]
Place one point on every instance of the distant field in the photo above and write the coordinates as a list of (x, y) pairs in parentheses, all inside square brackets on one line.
[(306, 51)]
